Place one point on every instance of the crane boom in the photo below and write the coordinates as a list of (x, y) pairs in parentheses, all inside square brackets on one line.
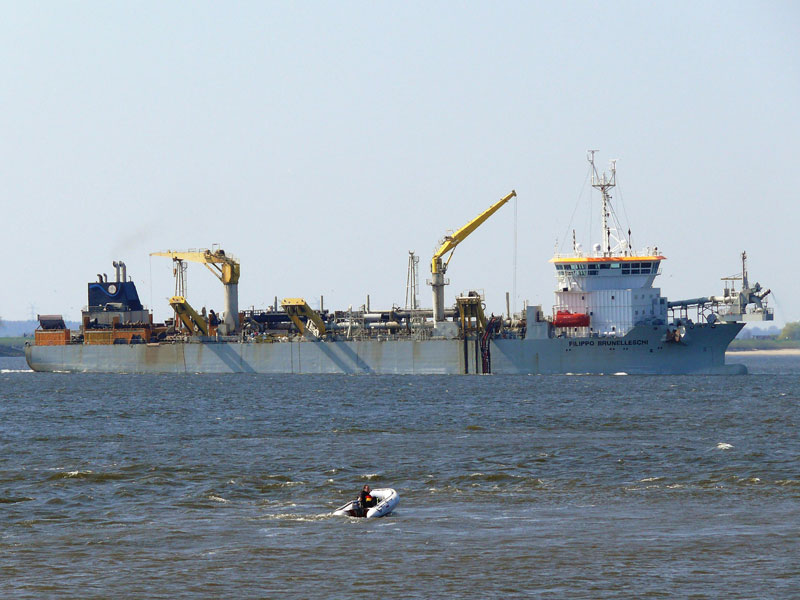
[(225, 268), (451, 241), (298, 309), (193, 321), (439, 267)]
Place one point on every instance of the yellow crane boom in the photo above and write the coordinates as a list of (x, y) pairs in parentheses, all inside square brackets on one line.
[(439, 266), (451, 241), (298, 309), (188, 316), (225, 268)]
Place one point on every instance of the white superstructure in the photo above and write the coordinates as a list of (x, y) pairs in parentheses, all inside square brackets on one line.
[(610, 290)]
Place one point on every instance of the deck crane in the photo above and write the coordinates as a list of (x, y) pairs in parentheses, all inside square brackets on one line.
[(194, 322), (439, 266), (225, 268)]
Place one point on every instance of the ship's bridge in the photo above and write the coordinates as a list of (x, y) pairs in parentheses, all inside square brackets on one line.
[(615, 292), (581, 273)]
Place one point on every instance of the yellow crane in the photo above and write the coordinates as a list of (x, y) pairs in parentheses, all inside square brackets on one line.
[(439, 265), (225, 268), (194, 322), (298, 309)]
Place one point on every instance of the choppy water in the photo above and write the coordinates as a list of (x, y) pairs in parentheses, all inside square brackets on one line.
[(551, 487)]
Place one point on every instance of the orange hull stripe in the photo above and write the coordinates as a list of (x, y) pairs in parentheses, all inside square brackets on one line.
[(607, 259)]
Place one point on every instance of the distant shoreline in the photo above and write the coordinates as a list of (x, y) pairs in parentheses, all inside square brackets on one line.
[(774, 352)]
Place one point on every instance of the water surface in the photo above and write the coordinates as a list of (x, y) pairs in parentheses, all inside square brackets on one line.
[(551, 486)]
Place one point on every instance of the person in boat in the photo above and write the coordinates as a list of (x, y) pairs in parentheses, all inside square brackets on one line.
[(366, 500)]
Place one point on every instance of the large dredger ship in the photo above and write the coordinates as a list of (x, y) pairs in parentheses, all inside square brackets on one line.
[(607, 318)]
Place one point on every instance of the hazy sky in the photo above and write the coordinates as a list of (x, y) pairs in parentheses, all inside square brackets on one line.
[(319, 142)]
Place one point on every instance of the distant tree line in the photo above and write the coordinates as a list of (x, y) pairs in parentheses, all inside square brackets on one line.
[(791, 331)]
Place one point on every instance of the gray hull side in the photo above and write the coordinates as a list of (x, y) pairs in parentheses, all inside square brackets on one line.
[(642, 351), (395, 357)]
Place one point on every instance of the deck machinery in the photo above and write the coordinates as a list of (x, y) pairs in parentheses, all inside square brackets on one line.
[(225, 268)]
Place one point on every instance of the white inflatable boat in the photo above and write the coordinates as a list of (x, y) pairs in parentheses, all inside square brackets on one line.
[(387, 501)]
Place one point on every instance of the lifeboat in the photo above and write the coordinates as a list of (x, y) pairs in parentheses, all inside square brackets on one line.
[(564, 318), (387, 501)]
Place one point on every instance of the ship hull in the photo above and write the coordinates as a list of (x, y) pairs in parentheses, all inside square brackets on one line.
[(642, 351)]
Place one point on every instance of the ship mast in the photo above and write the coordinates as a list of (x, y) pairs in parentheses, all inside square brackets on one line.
[(412, 282), (604, 184), (745, 283)]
